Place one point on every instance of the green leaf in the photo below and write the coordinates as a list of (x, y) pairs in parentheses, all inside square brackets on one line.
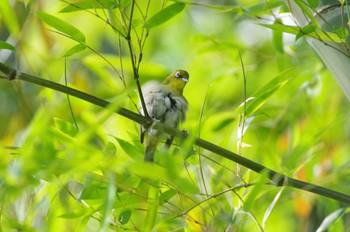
[(262, 95), (164, 15), (308, 29), (303, 6), (130, 149), (316, 34), (277, 38), (73, 214), (124, 216), (167, 195), (271, 206), (313, 3), (331, 219), (7, 46), (62, 26), (66, 127), (76, 49), (90, 4), (255, 191), (342, 32), (224, 123), (9, 17), (110, 149)]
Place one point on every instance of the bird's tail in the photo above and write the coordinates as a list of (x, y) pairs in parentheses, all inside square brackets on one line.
[(151, 142), (149, 153)]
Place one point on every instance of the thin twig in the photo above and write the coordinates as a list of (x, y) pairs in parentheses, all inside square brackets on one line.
[(68, 98), (133, 63)]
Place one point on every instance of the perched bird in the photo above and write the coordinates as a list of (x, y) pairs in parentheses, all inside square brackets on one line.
[(165, 104)]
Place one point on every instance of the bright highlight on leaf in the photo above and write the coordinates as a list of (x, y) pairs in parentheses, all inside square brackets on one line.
[(308, 31), (76, 49), (62, 26), (90, 4), (262, 95), (8, 17), (164, 15)]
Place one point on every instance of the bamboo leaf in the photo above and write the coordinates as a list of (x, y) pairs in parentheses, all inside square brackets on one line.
[(307, 12), (256, 190), (66, 127), (9, 17), (76, 49), (277, 37), (124, 216), (164, 15), (271, 207), (307, 31), (89, 4), (62, 26), (262, 95), (313, 3), (7, 46), (330, 219)]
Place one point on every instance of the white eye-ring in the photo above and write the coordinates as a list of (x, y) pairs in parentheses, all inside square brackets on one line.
[(177, 74)]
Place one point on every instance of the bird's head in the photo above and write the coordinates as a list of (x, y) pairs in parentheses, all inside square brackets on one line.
[(177, 80)]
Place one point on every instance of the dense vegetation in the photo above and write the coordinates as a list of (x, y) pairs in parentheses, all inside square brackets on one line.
[(254, 90)]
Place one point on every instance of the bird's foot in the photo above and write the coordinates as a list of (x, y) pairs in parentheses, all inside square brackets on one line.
[(184, 133)]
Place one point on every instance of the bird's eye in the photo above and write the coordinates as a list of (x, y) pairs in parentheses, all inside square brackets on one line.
[(177, 74)]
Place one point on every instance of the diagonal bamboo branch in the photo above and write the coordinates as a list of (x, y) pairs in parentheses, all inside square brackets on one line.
[(278, 179)]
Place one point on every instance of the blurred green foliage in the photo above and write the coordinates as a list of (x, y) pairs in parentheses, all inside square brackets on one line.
[(56, 175)]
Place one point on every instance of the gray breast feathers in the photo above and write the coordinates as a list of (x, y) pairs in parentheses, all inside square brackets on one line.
[(164, 105)]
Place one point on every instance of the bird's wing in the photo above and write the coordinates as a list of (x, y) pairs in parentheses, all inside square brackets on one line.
[(157, 103)]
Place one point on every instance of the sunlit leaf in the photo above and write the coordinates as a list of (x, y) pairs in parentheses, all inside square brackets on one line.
[(316, 34), (76, 49), (167, 195), (277, 37), (224, 123), (124, 216), (308, 29), (9, 17), (110, 149), (7, 46), (66, 127), (306, 10), (255, 191), (73, 214), (89, 4), (62, 26), (262, 95), (148, 170), (130, 149), (342, 32), (164, 15), (330, 219), (271, 207), (313, 3)]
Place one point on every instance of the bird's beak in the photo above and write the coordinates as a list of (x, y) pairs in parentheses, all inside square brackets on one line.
[(184, 79)]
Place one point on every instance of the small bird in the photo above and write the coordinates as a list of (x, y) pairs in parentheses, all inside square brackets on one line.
[(165, 104)]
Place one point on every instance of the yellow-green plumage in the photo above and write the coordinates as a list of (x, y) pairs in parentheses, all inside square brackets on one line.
[(165, 104)]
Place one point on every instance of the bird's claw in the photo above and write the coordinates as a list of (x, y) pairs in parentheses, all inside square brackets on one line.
[(184, 133)]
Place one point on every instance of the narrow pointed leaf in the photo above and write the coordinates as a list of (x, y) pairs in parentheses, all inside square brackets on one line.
[(315, 34), (62, 26), (262, 95), (330, 219), (164, 15), (7, 46), (76, 49), (89, 4)]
